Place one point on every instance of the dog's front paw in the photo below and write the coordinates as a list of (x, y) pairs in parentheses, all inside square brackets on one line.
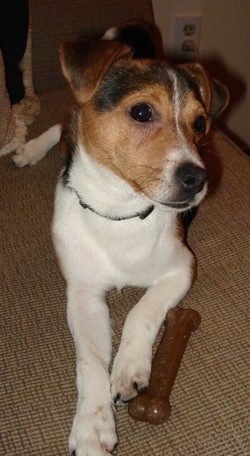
[(29, 154), (93, 432), (129, 377)]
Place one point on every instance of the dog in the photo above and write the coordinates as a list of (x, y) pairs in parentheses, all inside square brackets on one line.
[(133, 167)]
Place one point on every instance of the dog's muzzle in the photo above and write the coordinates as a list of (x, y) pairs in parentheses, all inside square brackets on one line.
[(190, 180)]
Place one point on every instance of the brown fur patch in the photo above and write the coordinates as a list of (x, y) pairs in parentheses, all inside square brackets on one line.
[(134, 151), (192, 109)]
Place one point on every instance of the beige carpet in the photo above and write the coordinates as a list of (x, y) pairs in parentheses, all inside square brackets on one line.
[(210, 400)]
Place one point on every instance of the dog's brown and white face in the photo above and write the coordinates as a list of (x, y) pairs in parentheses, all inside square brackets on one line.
[(143, 119)]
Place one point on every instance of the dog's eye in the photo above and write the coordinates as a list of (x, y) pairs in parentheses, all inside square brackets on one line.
[(141, 113), (200, 125)]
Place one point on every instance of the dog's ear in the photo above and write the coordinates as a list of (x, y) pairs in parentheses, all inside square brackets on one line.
[(85, 63), (214, 94)]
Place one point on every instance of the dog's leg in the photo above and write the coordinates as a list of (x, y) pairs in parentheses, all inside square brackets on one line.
[(93, 431), (132, 364), (36, 149)]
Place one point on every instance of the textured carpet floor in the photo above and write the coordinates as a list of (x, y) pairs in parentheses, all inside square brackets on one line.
[(210, 400)]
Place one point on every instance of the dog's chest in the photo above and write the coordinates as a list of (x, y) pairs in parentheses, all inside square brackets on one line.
[(107, 253), (138, 252)]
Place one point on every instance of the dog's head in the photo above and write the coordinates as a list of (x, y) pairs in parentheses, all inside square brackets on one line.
[(143, 118)]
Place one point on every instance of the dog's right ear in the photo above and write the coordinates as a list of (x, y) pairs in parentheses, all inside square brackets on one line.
[(213, 93), (85, 63)]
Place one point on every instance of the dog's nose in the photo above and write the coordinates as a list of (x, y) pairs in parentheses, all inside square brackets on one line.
[(191, 178)]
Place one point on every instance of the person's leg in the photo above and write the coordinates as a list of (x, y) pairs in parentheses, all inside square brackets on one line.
[(14, 24)]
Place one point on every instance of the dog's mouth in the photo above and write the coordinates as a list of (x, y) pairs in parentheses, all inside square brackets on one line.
[(178, 204)]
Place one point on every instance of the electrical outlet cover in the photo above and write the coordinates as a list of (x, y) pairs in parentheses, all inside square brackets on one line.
[(187, 27)]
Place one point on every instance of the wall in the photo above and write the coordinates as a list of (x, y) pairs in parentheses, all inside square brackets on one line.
[(224, 49)]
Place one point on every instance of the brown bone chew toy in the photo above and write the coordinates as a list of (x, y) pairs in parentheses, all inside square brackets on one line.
[(152, 405)]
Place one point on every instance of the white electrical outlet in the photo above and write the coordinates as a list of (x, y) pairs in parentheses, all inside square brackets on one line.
[(187, 28)]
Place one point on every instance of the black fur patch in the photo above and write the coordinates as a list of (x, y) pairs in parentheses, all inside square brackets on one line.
[(122, 80), (187, 83), (68, 137), (140, 37)]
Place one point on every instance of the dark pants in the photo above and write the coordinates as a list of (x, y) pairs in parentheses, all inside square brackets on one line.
[(14, 24)]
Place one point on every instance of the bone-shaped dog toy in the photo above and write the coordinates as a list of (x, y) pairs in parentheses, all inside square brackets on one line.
[(153, 404)]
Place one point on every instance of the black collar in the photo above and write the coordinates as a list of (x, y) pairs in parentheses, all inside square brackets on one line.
[(142, 215)]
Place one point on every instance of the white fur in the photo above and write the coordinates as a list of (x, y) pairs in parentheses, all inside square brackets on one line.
[(36, 149), (97, 254)]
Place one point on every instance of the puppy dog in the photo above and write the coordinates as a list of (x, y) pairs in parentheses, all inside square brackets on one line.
[(133, 166)]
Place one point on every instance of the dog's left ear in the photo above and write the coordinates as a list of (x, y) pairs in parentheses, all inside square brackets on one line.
[(214, 94), (85, 63)]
